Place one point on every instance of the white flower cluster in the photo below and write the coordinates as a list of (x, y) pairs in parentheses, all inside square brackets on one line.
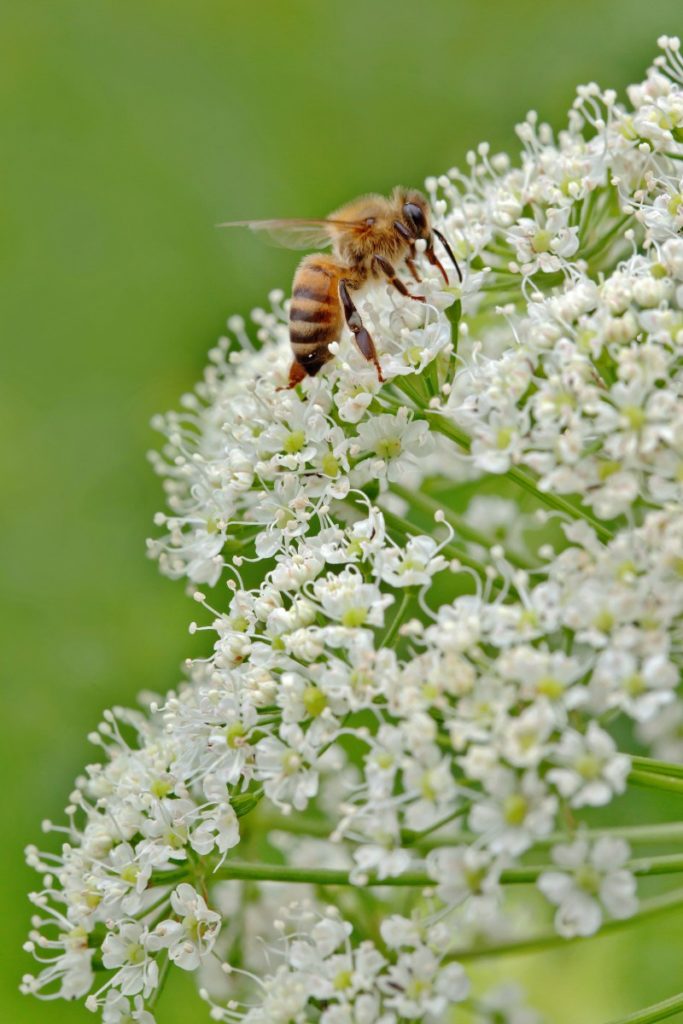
[(385, 674), (406, 980)]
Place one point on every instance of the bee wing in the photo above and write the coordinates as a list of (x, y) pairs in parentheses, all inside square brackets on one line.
[(297, 233)]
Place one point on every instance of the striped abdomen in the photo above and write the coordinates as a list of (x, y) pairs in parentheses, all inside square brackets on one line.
[(315, 315)]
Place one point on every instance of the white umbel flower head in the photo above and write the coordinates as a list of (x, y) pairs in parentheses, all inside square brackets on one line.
[(440, 606)]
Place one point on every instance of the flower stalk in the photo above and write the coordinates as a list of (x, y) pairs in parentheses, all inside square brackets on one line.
[(550, 940), (522, 479), (658, 1011)]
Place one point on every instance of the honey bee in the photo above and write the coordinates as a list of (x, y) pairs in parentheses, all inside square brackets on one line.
[(370, 237)]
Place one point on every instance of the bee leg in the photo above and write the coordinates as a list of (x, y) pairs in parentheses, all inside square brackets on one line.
[(386, 268), (450, 253), (360, 334), (434, 260), (296, 375), (410, 263)]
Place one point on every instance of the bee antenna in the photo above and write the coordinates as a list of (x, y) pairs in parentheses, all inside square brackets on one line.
[(449, 251)]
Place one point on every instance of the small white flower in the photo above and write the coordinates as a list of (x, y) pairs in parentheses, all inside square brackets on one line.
[(129, 952), (592, 880), (388, 439), (463, 872), (592, 770), (413, 566), (350, 601), (118, 1010), (218, 830), (283, 765), (416, 984), (192, 936), (520, 810)]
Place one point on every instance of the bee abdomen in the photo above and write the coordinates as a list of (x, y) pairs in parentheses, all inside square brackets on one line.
[(310, 344), (315, 312), (311, 313)]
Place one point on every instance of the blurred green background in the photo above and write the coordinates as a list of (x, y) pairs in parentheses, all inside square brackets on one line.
[(129, 130)]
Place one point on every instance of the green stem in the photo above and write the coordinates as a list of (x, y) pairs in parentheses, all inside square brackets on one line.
[(264, 872), (642, 867), (412, 388), (669, 832), (670, 864), (236, 870), (651, 780), (429, 506), (397, 620), (414, 838), (296, 826), (636, 835), (649, 764), (163, 975), (560, 504), (430, 375), (448, 429), (650, 908), (408, 529), (586, 214), (523, 479), (658, 1011), (454, 314), (322, 829), (605, 240), (384, 402)]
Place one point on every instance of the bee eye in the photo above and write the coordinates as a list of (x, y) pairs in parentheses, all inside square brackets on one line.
[(416, 218)]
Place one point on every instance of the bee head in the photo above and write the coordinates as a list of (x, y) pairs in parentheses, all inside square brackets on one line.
[(415, 213), (416, 219)]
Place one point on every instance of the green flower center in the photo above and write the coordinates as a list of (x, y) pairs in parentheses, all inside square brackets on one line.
[(329, 465), (604, 620), (388, 447), (294, 442), (541, 241), (588, 879), (550, 687), (234, 735), (503, 437), (515, 809), (342, 980), (354, 617), (195, 929), (588, 766), (161, 788), (130, 873), (135, 954), (314, 701), (176, 839), (416, 987), (291, 762), (528, 618), (283, 516), (635, 684), (608, 468), (635, 416), (427, 787), (474, 878)]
